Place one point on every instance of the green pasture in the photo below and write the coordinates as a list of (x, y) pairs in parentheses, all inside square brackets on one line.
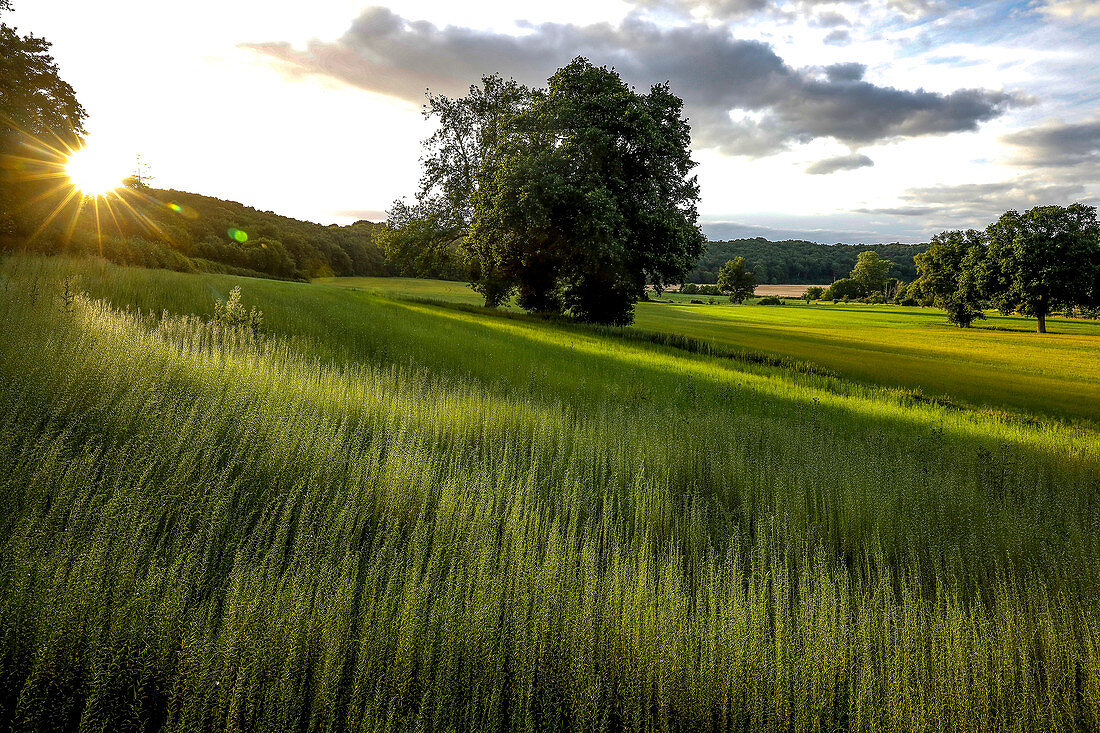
[(1001, 363), (384, 514)]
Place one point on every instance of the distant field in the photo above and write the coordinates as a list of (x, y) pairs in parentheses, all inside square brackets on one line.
[(789, 291), (1001, 363)]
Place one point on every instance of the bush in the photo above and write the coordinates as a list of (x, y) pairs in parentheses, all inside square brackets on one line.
[(844, 289), (697, 302), (770, 301)]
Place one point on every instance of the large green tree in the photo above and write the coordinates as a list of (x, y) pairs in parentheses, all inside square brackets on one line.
[(420, 237), (947, 273), (1043, 260), (40, 119), (735, 281), (587, 196), (871, 272)]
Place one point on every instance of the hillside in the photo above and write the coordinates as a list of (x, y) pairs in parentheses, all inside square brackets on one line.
[(189, 232), (799, 262)]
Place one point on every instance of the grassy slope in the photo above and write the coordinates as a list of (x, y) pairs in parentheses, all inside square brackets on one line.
[(1001, 363), (389, 515)]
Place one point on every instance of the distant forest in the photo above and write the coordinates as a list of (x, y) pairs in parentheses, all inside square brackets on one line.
[(187, 232), (801, 263)]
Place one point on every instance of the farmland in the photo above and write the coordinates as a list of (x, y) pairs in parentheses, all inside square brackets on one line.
[(382, 514), (998, 364)]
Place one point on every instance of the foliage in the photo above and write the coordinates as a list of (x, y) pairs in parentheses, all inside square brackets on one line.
[(587, 197), (1042, 261), (814, 292), (40, 116), (192, 233), (771, 300), (947, 274), (871, 272), (231, 313), (421, 239), (735, 281), (468, 128), (798, 262), (385, 515), (844, 288)]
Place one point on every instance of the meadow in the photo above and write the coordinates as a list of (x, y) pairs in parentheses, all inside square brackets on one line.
[(1000, 363), (386, 514)]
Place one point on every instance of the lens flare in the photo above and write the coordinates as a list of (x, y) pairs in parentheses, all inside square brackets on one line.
[(95, 173), (238, 234)]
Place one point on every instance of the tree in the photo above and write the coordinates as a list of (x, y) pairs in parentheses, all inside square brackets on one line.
[(585, 197), (735, 281), (1044, 260), (844, 288), (420, 240), (40, 118), (814, 292), (947, 273), (871, 272)]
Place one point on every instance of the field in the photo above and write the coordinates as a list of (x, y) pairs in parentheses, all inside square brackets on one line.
[(999, 364), (386, 514)]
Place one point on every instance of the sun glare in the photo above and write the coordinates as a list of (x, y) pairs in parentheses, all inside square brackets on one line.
[(94, 173)]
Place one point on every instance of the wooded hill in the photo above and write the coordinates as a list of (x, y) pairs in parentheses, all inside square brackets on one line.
[(189, 232), (800, 262)]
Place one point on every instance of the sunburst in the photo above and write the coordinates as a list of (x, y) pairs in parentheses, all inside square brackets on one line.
[(80, 181)]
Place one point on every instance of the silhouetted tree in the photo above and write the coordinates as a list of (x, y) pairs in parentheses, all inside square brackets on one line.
[(40, 118)]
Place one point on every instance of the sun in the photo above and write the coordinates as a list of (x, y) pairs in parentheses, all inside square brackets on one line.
[(95, 173)]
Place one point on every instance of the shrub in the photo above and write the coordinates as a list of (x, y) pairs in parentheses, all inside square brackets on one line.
[(770, 301)]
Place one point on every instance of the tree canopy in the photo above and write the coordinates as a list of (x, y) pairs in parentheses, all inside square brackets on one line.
[(40, 118), (586, 197), (1041, 261), (871, 271), (947, 275), (736, 281)]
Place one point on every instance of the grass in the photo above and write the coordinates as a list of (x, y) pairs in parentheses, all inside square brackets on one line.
[(999, 364), (389, 515)]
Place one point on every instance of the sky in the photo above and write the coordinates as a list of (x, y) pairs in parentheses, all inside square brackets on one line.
[(851, 121)]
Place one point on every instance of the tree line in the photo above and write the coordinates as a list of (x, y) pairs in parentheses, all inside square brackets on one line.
[(1043, 261), (798, 262)]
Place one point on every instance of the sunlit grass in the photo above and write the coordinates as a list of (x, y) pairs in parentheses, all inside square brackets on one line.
[(387, 515), (1000, 363)]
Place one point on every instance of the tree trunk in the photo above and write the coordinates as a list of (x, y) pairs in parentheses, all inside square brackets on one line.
[(1042, 323)]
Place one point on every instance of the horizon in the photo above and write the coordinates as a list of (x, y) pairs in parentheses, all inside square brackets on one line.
[(845, 122)]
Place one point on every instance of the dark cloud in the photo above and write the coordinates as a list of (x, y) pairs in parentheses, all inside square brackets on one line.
[(840, 163), (838, 73), (1058, 145), (713, 72), (839, 37)]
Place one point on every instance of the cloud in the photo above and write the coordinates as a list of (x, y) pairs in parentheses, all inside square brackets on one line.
[(840, 163), (712, 71), (1057, 145), (827, 15), (978, 204), (1071, 10), (839, 37)]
